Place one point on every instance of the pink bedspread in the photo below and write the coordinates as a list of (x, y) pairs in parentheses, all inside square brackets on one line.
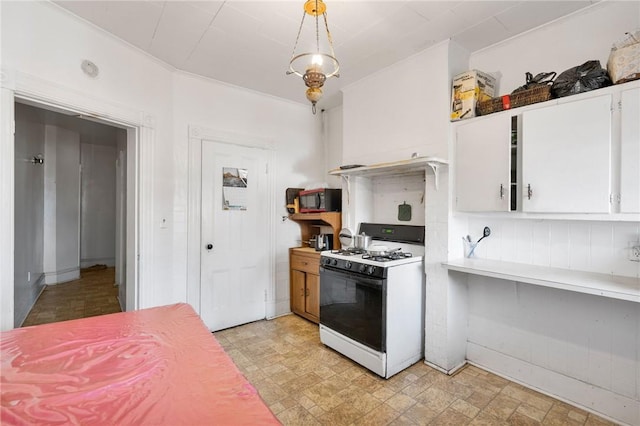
[(153, 366)]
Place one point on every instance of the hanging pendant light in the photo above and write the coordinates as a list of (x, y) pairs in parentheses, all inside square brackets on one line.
[(315, 67)]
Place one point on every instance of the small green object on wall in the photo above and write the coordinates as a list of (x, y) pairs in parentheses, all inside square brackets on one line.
[(404, 212)]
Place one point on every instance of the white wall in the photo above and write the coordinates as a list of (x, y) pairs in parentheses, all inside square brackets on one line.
[(582, 348), (98, 204), (332, 142), (42, 49), (389, 192), (298, 155), (61, 205), (29, 210), (398, 111), (568, 42)]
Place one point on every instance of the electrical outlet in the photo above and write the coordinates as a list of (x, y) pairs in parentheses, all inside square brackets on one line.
[(634, 251)]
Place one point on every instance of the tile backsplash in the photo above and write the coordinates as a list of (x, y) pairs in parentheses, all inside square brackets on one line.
[(389, 192), (593, 246)]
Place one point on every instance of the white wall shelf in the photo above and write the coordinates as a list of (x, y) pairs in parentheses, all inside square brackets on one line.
[(612, 286), (394, 168), (609, 217)]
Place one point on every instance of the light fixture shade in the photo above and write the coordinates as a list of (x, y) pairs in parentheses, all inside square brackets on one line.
[(319, 63)]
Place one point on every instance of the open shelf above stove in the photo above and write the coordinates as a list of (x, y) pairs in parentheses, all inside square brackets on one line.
[(412, 165)]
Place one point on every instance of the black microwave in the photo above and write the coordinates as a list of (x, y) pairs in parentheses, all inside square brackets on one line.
[(320, 200)]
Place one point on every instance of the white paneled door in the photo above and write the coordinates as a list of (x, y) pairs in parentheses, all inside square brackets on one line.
[(234, 235)]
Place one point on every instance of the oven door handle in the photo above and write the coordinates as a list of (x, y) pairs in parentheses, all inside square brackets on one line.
[(359, 278)]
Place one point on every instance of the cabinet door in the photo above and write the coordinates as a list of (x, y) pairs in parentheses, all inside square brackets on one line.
[(313, 295), (630, 152), (483, 164), (566, 157), (298, 291)]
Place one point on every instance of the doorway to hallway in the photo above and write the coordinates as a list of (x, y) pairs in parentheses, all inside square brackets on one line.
[(70, 201)]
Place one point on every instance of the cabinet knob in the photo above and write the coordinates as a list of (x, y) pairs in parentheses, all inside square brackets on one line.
[(501, 191), (209, 246), (529, 191)]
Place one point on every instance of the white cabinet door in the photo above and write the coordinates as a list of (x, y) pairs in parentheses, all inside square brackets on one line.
[(483, 164), (630, 152), (566, 156)]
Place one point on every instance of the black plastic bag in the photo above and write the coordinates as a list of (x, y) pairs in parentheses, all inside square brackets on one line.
[(583, 78), (541, 79)]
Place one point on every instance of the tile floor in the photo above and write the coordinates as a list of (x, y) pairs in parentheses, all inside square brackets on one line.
[(92, 294), (306, 383)]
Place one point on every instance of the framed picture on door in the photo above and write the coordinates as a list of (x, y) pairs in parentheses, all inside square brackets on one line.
[(234, 188)]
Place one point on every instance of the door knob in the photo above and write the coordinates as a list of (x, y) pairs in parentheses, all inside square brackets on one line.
[(209, 246)]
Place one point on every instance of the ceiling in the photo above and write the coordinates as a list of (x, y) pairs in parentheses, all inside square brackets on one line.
[(249, 43)]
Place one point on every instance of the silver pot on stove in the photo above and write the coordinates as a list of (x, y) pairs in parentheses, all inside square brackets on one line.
[(361, 241), (380, 250)]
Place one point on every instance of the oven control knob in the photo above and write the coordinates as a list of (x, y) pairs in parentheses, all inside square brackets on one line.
[(371, 270), (362, 268), (334, 262), (347, 264), (327, 261)]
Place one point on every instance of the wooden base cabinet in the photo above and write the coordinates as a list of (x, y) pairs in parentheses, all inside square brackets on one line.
[(305, 282)]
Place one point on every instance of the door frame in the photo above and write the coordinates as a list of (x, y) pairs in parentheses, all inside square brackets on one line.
[(140, 128), (197, 135)]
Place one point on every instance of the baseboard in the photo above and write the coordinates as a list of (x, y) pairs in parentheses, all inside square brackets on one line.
[(39, 283), (282, 307), (450, 371), (281, 315), (109, 261), (58, 277), (603, 402)]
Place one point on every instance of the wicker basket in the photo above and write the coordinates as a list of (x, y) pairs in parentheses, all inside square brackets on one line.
[(522, 98)]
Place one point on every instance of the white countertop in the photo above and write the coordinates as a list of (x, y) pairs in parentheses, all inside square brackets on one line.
[(613, 286)]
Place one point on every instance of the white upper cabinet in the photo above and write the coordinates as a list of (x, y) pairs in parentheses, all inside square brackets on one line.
[(566, 157), (630, 152), (575, 155), (483, 164)]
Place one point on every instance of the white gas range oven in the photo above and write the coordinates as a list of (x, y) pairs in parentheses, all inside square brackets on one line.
[(372, 307)]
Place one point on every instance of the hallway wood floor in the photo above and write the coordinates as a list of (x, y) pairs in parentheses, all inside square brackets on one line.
[(93, 294)]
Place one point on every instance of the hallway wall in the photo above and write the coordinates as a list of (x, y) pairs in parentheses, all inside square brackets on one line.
[(61, 204), (29, 210), (98, 204)]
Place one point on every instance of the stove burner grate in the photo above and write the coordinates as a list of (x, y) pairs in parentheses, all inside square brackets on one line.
[(387, 257), (349, 252)]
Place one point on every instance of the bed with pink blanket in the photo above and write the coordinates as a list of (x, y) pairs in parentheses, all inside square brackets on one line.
[(152, 366)]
